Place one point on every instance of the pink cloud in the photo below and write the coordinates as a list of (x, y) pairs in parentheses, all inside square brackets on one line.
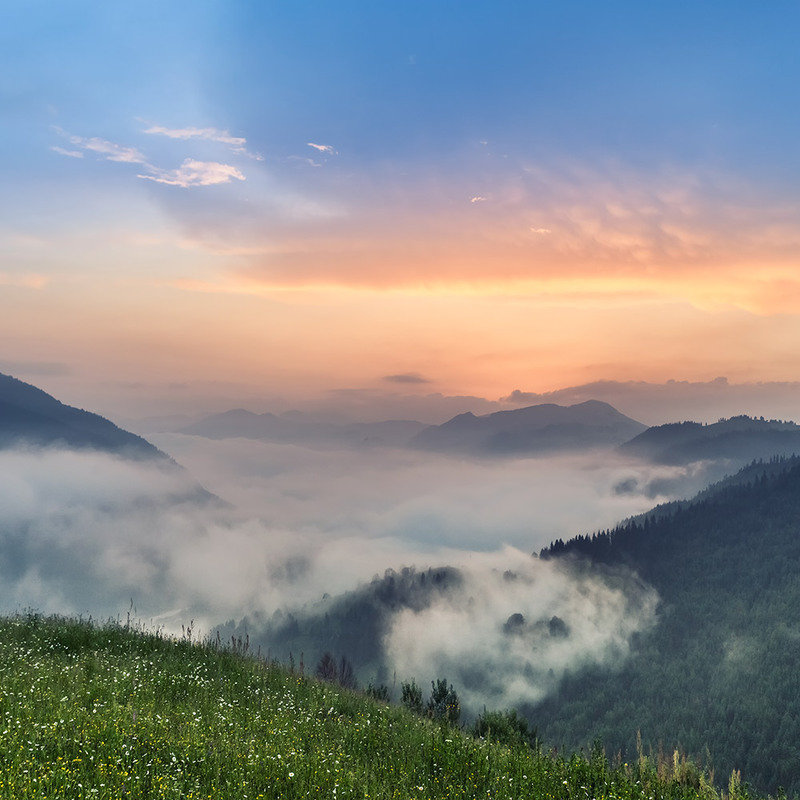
[(195, 173)]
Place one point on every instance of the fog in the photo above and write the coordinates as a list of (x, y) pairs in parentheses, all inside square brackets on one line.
[(426, 502), (92, 534), (509, 632)]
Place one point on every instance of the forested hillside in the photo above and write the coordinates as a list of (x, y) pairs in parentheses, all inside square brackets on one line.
[(718, 675), (352, 625)]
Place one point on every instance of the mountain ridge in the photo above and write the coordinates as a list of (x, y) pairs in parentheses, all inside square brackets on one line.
[(739, 439), (31, 416), (542, 428)]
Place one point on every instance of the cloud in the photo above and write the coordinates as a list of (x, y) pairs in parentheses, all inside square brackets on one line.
[(406, 377), (108, 150), (422, 501), (304, 160), (92, 531), (191, 173), (510, 630), (64, 152), (195, 173), (323, 148), (235, 143), (599, 234), (86, 532)]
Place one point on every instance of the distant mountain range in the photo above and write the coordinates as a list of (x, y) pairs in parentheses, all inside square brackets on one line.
[(739, 439), (294, 428), (29, 416), (536, 429)]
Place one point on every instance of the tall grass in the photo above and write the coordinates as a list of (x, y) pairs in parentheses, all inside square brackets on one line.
[(105, 711)]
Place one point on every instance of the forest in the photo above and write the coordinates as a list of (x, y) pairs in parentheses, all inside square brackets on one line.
[(717, 675)]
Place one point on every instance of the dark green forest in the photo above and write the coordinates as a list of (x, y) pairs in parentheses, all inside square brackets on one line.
[(719, 674)]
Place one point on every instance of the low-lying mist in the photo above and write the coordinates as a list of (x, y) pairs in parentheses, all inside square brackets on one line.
[(509, 630), (88, 533)]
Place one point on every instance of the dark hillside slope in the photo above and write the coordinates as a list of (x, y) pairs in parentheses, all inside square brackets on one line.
[(29, 416), (721, 669)]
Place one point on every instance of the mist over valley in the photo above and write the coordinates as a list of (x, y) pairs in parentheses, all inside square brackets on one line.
[(407, 552)]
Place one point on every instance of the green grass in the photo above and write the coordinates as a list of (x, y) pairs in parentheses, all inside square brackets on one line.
[(92, 711)]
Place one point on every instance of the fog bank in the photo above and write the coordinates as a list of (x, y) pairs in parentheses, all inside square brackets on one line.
[(89, 533)]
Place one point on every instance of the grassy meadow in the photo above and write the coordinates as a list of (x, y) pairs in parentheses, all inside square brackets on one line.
[(105, 711)]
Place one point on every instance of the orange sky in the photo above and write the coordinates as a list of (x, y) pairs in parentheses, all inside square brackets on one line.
[(291, 209)]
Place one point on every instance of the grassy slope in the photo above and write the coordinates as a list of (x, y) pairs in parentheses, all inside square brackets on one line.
[(107, 712)]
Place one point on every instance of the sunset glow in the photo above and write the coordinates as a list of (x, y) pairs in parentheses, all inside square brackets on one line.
[(297, 201)]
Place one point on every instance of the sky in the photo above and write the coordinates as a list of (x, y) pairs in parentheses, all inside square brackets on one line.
[(215, 201)]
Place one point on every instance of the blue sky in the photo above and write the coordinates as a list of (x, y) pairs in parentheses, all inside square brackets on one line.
[(572, 158), (639, 81)]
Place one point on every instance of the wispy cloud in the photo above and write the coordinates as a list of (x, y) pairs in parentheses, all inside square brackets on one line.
[(236, 143), (304, 160), (195, 173), (189, 174), (323, 148), (111, 151), (64, 152), (477, 199)]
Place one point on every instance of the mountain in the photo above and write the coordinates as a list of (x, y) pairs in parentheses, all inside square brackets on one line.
[(717, 674), (535, 429), (29, 416), (294, 428), (738, 439)]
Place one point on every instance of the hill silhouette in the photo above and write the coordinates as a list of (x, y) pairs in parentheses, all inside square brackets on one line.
[(295, 428), (739, 439), (30, 416), (535, 429)]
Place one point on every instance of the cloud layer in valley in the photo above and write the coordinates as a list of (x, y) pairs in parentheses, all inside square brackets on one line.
[(508, 632), (90, 533)]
